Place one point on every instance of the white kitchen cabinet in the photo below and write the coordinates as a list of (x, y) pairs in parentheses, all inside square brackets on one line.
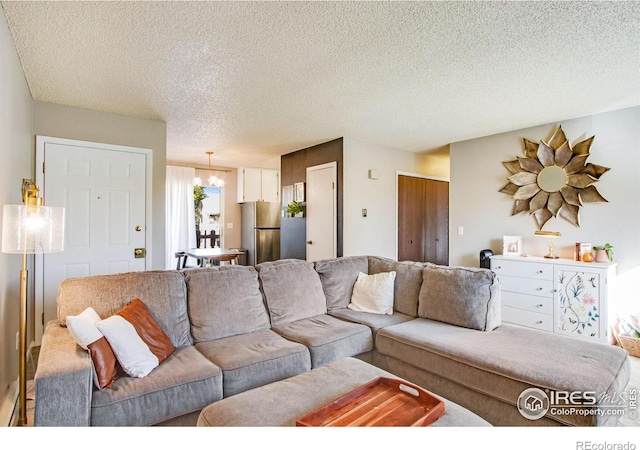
[(258, 185), (556, 295)]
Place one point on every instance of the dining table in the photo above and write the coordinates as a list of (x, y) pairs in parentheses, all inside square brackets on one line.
[(213, 255)]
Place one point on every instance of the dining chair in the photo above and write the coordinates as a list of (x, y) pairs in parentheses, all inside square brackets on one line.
[(181, 262), (204, 237)]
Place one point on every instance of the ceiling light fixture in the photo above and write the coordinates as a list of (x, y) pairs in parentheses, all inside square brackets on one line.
[(212, 180)]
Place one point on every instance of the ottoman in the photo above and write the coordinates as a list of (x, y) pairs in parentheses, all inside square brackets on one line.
[(283, 402)]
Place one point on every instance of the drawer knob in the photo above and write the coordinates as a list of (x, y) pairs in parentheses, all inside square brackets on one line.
[(539, 305), (539, 322), (539, 271), (538, 289)]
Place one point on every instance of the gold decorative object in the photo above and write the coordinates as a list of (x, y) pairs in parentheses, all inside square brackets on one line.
[(553, 179), (550, 235)]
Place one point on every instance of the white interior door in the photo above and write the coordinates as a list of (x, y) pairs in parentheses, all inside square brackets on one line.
[(322, 212), (104, 191)]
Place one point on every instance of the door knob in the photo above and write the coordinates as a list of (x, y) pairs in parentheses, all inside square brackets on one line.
[(138, 228), (309, 242), (140, 252)]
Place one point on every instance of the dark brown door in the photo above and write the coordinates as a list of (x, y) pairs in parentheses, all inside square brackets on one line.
[(423, 220)]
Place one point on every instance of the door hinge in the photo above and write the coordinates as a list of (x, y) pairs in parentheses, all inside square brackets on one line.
[(333, 185), (43, 167), (42, 318)]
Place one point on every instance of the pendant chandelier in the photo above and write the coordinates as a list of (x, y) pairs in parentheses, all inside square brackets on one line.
[(212, 180)]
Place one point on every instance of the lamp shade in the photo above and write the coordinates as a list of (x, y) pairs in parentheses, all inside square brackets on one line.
[(32, 229)]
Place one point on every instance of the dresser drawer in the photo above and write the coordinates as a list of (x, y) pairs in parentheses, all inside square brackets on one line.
[(528, 286), (529, 319), (527, 269), (542, 305)]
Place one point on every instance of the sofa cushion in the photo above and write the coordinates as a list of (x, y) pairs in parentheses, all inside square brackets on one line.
[(183, 383), (254, 359), (292, 290), (163, 292), (407, 284), (373, 293), (225, 302), (463, 296), (328, 338), (374, 321), (495, 364), (338, 276)]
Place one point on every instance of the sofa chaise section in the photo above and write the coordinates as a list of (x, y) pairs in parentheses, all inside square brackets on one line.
[(470, 367)]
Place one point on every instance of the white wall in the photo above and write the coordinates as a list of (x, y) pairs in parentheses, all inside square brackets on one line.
[(17, 155), (375, 234), (477, 174)]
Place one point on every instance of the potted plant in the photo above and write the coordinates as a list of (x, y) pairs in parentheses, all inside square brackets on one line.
[(295, 209), (198, 195), (604, 253)]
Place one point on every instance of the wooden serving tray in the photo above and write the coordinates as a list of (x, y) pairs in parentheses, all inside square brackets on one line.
[(381, 402)]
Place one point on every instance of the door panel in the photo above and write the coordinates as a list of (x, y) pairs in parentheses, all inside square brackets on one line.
[(321, 210), (436, 230), (104, 195), (411, 206), (423, 220)]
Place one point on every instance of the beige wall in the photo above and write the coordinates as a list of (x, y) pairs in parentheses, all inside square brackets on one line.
[(231, 208), (436, 165), (84, 125), (477, 174), (17, 156), (375, 234)]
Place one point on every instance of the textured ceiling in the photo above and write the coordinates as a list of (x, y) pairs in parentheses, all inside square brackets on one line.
[(254, 80)]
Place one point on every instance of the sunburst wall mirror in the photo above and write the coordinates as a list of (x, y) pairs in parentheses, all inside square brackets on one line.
[(553, 179)]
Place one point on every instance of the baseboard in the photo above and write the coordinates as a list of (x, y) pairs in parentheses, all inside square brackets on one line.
[(8, 406)]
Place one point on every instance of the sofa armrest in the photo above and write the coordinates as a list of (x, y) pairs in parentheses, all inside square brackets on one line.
[(63, 380)]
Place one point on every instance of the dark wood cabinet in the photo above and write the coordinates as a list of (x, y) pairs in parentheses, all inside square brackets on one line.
[(423, 220)]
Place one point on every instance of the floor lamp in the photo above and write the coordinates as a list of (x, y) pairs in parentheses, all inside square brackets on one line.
[(29, 229)]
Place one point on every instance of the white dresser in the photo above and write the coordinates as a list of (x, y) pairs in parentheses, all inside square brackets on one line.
[(560, 296)]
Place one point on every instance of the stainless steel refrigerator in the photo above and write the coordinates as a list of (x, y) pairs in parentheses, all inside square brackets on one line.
[(261, 231)]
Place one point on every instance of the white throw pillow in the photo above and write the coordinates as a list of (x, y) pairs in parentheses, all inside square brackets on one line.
[(83, 327), (373, 293), (132, 352)]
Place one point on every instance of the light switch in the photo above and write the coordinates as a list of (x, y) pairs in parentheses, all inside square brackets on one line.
[(229, 225), (364, 212), (460, 231)]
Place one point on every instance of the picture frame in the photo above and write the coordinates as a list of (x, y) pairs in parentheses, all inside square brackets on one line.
[(287, 195), (512, 245), (298, 192)]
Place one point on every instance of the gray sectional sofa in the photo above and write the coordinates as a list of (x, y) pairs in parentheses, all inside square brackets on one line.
[(236, 328)]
